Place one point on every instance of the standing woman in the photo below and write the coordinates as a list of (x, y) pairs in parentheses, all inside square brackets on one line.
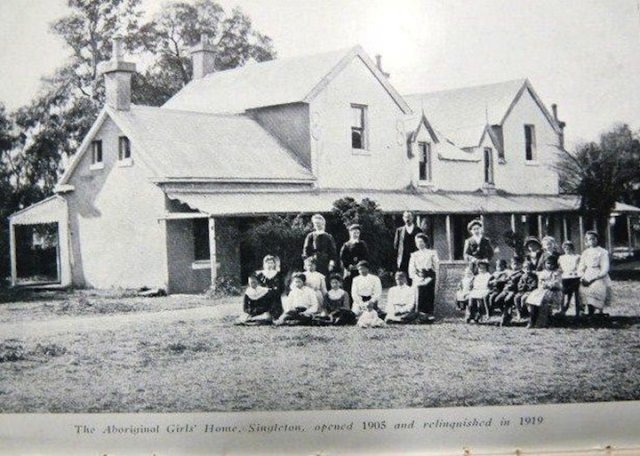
[(321, 245), (270, 277), (352, 252), (477, 247), (423, 265), (595, 285)]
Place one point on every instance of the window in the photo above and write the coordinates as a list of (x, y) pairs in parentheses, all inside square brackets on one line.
[(124, 148), (530, 142), (488, 165), (358, 127), (96, 152), (424, 164), (201, 239)]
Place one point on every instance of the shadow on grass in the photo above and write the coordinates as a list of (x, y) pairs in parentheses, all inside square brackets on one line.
[(29, 295), (583, 322)]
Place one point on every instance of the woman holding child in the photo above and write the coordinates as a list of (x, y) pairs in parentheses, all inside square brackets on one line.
[(423, 265)]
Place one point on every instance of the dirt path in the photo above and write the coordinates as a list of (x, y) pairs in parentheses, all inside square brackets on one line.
[(127, 321)]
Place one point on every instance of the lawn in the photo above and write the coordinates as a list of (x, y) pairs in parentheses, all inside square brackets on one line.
[(119, 353)]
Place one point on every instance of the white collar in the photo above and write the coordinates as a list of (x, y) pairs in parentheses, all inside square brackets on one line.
[(256, 293)]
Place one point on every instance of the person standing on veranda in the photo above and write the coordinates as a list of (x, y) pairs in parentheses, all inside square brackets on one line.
[(321, 245), (404, 243), (477, 247)]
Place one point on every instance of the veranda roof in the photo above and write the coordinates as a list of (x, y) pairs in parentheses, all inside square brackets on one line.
[(49, 210), (261, 203)]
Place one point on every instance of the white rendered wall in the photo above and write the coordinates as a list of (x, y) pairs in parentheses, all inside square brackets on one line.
[(116, 238)]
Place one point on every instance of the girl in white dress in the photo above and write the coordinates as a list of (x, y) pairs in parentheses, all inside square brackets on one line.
[(314, 280), (595, 285), (479, 292), (568, 263)]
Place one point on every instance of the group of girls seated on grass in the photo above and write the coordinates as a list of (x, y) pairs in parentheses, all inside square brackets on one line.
[(353, 297), (538, 286)]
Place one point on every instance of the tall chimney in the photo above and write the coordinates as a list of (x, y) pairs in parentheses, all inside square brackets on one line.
[(561, 124), (379, 65), (117, 78), (203, 57)]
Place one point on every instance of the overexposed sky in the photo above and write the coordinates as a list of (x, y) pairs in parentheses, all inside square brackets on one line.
[(582, 54)]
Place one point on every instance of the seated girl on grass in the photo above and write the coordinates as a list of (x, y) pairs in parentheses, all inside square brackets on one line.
[(257, 304), (301, 303), (336, 307), (547, 296), (369, 317), (401, 301)]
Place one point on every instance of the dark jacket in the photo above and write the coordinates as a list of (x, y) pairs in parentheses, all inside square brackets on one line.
[(482, 250)]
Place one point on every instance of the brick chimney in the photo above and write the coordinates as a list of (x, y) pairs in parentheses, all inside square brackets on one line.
[(203, 57), (561, 124), (117, 78)]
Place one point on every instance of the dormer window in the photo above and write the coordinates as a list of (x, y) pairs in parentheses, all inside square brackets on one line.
[(124, 148), (530, 142), (424, 162), (358, 127), (96, 155)]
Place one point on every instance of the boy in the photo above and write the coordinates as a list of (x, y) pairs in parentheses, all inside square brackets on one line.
[(497, 282), (504, 300), (401, 301), (366, 288), (528, 282)]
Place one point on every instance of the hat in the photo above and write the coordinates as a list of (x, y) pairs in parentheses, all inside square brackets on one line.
[(531, 239), (354, 226), (363, 263), (473, 223)]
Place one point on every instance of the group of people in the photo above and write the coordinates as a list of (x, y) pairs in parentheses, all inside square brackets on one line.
[(338, 288), (537, 286)]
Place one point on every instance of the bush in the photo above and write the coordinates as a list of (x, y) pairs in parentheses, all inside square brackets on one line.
[(225, 286)]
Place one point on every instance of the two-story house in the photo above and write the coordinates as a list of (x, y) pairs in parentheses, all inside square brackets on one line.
[(155, 196)]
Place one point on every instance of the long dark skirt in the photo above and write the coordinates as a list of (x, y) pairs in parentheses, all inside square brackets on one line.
[(427, 295)]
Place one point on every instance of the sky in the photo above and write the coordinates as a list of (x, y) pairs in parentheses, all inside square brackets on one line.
[(583, 55)]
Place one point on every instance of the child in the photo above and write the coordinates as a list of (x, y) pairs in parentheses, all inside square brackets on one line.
[(547, 296), (548, 250), (336, 305), (496, 284), (369, 318), (462, 294), (401, 301), (314, 280), (479, 292), (257, 304), (528, 282), (570, 278), (366, 289), (301, 303), (534, 251), (505, 300)]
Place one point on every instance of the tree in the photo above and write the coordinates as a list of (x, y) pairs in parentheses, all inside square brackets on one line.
[(177, 28), (604, 172), (7, 171)]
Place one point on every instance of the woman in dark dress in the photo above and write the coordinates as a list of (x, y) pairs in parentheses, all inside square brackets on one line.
[(321, 245), (270, 277), (352, 252), (256, 305)]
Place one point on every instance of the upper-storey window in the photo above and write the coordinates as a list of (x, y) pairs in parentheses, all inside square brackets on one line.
[(96, 154), (488, 165), (358, 126), (530, 142), (424, 163), (124, 148)]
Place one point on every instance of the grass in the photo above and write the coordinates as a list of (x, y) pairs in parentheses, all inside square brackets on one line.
[(171, 364)]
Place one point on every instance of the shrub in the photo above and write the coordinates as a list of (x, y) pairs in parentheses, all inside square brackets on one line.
[(225, 286)]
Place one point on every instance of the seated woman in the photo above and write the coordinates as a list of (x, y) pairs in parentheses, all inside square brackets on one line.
[(401, 301), (547, 296), (336, 306), (595, 285), (314, 279), (257, 305), (270, 277), (301, 303)]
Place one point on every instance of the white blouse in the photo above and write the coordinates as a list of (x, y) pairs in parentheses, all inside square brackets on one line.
[(423, 259)]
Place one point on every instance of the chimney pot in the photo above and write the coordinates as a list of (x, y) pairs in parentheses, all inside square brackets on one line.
[(554, 108), (379, 65)]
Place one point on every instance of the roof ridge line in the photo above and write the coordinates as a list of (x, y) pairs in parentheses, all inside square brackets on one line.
[(476, 86)]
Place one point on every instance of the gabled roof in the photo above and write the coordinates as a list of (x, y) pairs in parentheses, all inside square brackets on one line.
[(441, 145), (188, 145), (272, 83), (463, 114)]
